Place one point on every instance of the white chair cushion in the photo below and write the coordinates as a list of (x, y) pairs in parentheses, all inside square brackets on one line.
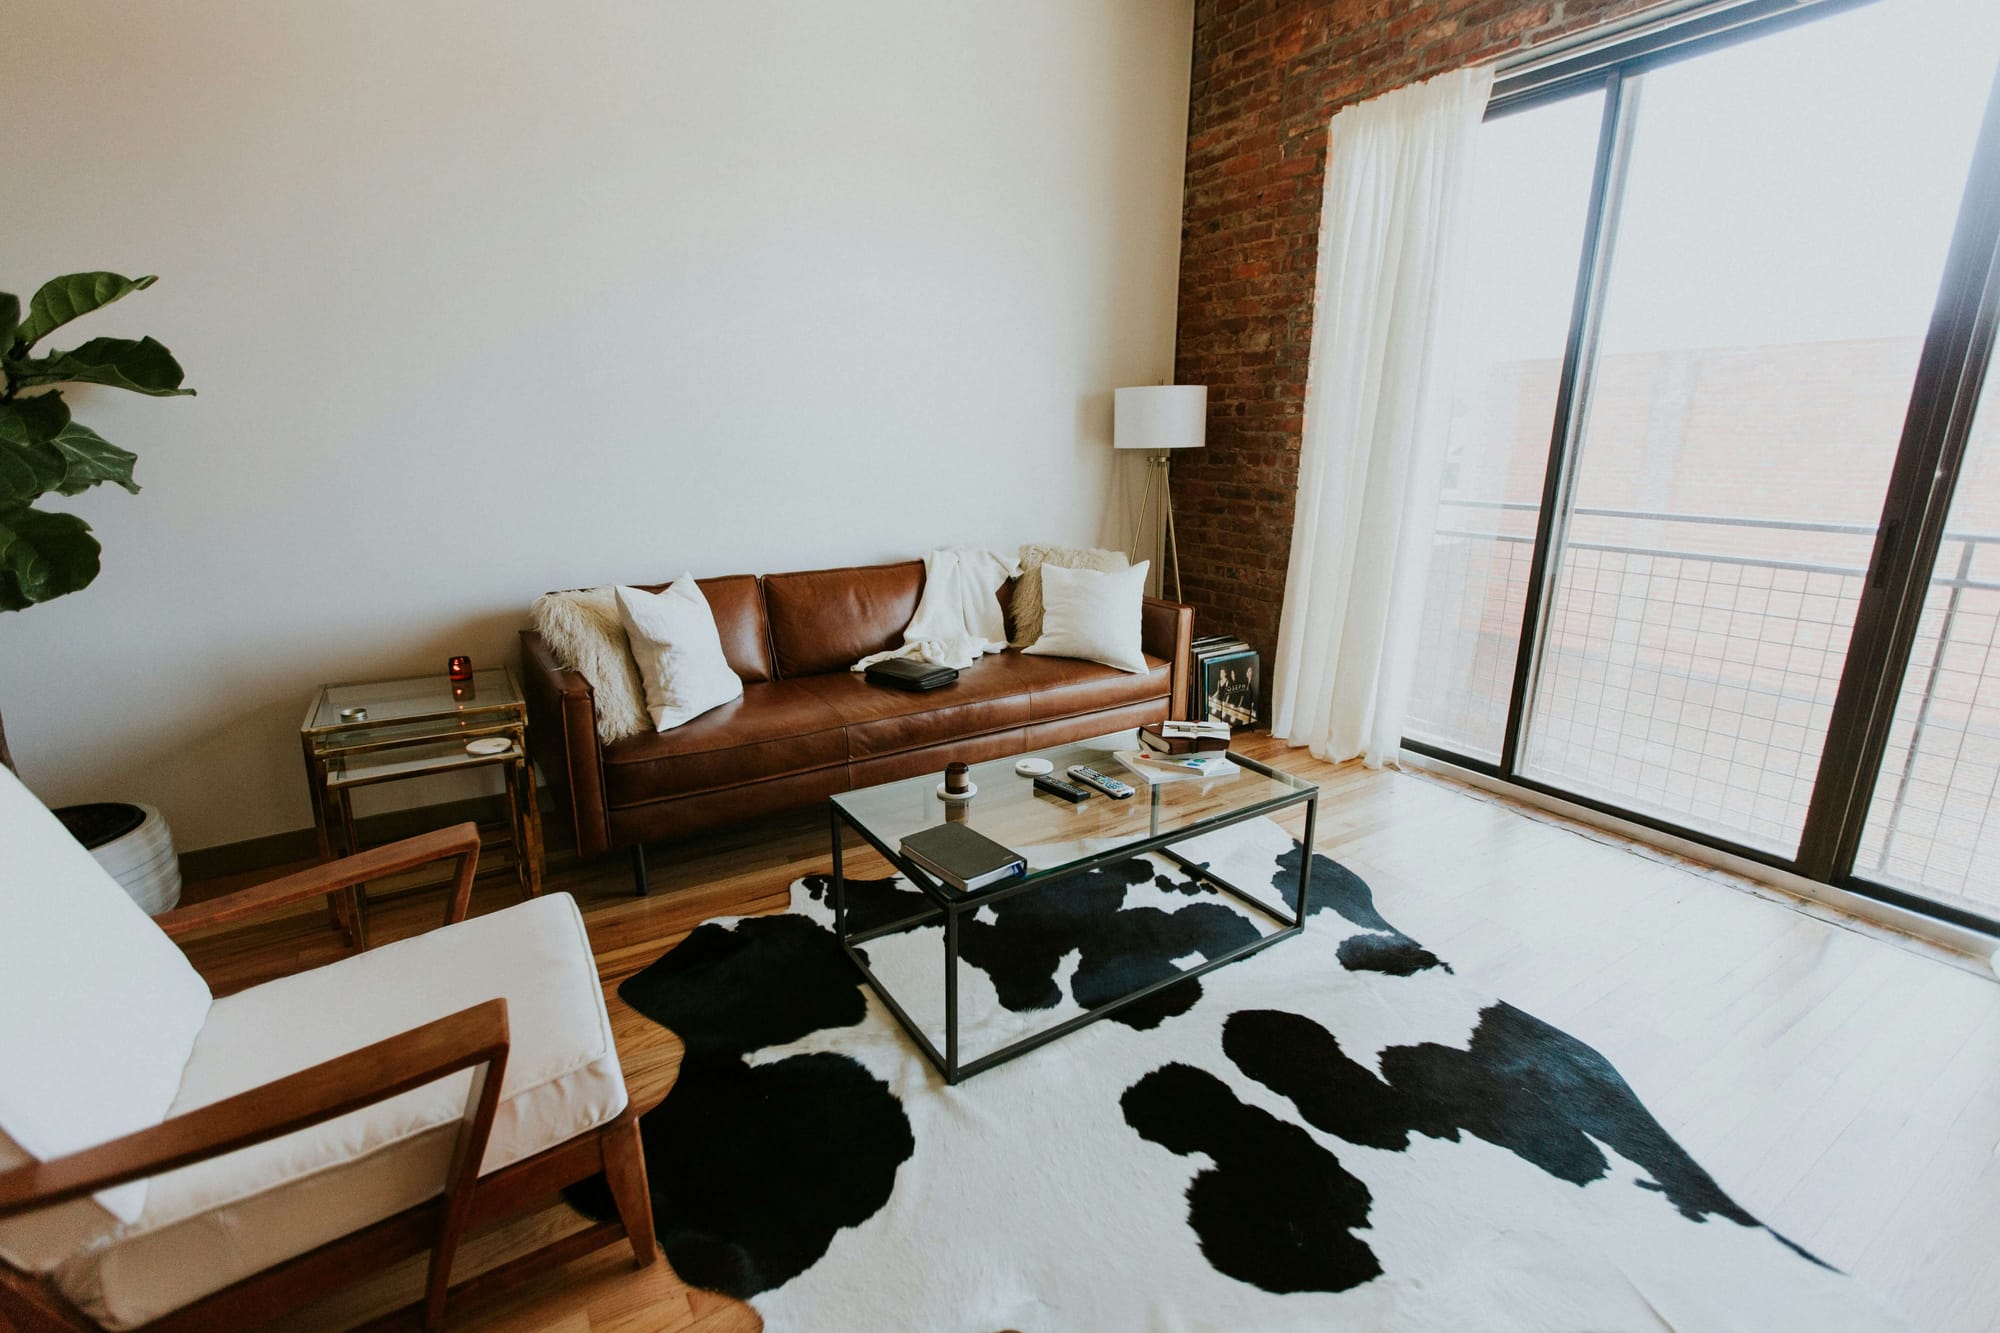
[(214, 1223), (98, 1011)]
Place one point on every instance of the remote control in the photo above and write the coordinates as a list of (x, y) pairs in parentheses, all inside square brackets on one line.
[(1055, 786), (1090, 777)]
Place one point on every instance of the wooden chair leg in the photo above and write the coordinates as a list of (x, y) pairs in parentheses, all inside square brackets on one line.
[(625, 1171)]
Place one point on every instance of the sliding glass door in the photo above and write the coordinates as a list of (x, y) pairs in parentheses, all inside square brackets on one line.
[(1933, 826), (1705, 279), (1533, 200)]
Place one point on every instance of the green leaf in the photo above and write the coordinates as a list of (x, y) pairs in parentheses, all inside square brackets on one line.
[(88, 459), (30, 463), (69, 297), (10, 315), (33, 420), (42, 450), (29, 471), (43, 556), (143, 366)]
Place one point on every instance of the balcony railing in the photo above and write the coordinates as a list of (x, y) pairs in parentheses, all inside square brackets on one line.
[(1690, 668)]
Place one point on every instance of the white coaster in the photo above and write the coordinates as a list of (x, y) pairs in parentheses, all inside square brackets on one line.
[(971, 790), (1033, 768), (489, 745)]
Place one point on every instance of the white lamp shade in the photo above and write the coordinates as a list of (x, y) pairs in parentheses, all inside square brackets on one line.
[(1160, 416)]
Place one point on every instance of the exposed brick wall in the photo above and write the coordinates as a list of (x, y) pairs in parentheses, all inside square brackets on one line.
[(1268, 75)]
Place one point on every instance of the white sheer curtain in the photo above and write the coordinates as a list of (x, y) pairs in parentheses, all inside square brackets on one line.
[(1378, 402)]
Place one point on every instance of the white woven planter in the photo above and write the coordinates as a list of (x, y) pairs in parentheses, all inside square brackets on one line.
[(144, 864)]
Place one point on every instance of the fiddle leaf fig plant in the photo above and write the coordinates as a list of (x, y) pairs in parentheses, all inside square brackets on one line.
[(45, 553)]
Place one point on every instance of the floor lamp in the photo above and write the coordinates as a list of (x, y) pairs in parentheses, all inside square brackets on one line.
[(1159, 417)]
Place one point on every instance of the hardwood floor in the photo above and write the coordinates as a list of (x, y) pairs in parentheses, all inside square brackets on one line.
[(1842, 1083)]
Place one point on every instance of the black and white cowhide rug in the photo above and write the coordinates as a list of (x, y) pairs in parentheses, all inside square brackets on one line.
[(1336, 1132)]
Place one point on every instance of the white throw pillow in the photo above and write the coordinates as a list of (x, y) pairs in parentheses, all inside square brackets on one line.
[(679, 653), (1093, 615)]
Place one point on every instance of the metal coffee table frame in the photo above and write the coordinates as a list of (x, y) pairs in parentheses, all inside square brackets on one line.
[(951, 906)]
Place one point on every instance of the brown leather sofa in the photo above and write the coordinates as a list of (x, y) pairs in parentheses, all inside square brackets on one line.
[(806, 726)]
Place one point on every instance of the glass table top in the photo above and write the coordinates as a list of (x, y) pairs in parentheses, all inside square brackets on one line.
[(356, 770), (413, 697), (1054, 836)]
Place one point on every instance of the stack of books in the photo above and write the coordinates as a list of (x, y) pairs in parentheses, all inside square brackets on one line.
[(1185, 737), (1223, 678), (954, 854)]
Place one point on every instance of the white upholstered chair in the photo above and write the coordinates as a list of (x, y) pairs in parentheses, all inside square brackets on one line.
[(174, 1159)]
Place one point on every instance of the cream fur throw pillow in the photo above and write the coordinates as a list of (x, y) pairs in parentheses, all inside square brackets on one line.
[(584, 632), (1028, 588)]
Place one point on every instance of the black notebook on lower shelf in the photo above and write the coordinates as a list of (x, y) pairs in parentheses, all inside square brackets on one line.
[(962, 858)]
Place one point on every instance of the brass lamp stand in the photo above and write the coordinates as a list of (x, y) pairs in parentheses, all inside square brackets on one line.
[(1160, 418), (1156, 467)]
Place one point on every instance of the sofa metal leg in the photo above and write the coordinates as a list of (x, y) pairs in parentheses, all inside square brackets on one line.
[(639, 869)]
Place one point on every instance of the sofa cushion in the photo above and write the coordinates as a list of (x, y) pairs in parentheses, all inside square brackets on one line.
[(1076, 687), (776, 727), (100, 1012), (739, 620), (987, 696), (828, 619), (1107, 722), (214, 1223)]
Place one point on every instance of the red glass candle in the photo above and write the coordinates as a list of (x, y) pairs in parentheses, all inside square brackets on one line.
[(461, 668)]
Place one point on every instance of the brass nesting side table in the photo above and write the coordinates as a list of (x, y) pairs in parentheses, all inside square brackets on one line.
[(417, 727)]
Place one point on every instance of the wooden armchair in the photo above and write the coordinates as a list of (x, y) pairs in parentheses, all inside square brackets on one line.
[(174, 1160)]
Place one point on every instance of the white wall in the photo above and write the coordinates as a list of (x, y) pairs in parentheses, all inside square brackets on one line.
[(486, 299)]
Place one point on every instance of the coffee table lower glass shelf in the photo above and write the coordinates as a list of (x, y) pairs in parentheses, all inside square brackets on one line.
[(1059, 841)]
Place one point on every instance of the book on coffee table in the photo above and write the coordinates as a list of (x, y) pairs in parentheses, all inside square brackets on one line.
[(1168, 738), (961, 857)]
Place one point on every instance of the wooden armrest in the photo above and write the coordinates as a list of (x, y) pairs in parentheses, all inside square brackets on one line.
[(471, 1038), (460, 841)]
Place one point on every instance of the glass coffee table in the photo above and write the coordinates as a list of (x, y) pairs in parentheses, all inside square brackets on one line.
[(1058, 840)]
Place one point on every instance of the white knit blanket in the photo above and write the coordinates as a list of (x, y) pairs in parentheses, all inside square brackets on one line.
[(959, 619)]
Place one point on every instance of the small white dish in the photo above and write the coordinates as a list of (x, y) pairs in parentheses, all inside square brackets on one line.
[(1033, 768), (971, 790), (489, 745)]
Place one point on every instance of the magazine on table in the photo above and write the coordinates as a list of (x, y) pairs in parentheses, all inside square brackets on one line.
[(1157, 768)]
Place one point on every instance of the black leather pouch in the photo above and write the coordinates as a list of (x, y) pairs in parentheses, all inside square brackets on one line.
[(900, 673)]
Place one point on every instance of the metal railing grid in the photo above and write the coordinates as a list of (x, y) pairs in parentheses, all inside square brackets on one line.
[(1934, 823), (1696, 684)]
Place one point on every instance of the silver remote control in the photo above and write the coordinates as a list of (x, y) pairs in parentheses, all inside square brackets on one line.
[(1090, 777)]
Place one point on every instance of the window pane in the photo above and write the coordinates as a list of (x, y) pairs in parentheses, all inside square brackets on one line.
[(1528, 218), (1777, 255), (1934, 823)]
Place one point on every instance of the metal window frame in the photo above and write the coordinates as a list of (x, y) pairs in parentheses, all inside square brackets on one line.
[(1657, 38), (1957, 351), (1944, 399)]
